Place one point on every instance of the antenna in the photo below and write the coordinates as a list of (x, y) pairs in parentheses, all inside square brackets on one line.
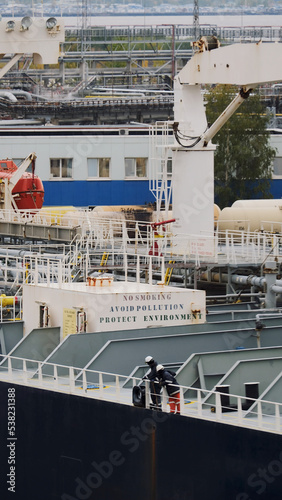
[(84, 4), (196, 23), (84, 23)]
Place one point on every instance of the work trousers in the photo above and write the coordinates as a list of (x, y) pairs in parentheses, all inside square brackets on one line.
[(174, 403)]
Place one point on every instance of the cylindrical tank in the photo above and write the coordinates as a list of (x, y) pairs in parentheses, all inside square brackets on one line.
[(120, 208), (258, 203), (106, 220), (54, 215), (251, 219)]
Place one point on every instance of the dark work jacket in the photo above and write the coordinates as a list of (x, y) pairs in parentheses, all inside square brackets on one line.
[(169, 381), (153, 373)]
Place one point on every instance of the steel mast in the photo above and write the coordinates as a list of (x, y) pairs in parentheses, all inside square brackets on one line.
[(196, 23)]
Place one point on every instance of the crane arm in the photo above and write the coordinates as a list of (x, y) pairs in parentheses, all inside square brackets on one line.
[(22, 168), (245, 65)]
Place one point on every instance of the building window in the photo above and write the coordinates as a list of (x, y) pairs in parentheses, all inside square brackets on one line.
[(135, 167), (98, 167), (277, 166), (61, 168)]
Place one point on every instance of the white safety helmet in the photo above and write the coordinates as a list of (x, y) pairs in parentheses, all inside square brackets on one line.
[(159, 368), (149, 360)]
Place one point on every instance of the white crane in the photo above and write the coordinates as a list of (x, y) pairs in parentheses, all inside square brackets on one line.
[(244, 65)]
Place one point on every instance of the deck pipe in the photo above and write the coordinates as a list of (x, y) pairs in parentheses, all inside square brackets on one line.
[(273, 286)]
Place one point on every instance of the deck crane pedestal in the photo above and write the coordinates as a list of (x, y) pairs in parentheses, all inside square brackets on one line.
[(244, 65)]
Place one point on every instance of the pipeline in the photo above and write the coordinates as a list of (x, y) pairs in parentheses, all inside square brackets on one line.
[(236, 279), (8, 300), (272, 285)]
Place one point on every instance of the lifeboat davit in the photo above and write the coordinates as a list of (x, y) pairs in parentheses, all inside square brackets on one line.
[(28, 193)]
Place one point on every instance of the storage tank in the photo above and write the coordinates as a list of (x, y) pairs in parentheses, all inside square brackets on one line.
[(79, 217), (258, 203), (121, 208), (251, 218), (54, 215)]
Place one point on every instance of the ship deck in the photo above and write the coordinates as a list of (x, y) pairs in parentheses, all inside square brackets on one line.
[(259, 415)]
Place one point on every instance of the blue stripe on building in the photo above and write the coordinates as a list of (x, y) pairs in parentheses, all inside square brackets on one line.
[(92, 193)]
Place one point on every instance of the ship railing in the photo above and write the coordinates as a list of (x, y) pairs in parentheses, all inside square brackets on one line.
[(52, 270), (20, 267), (99, 231), (235, 246), (221, 246), (213, 405)]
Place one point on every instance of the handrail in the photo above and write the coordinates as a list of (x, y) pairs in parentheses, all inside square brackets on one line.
[(111, 387), (101, 233)]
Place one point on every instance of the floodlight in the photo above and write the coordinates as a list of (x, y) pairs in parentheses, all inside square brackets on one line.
[(10, 26), (26, 22), (51, 23)]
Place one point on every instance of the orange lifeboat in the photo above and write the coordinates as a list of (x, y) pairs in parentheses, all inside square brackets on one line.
[(28, 192)]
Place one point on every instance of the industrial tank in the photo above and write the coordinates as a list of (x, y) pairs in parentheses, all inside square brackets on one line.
[(258, 203), (55, 215), (216, 212), (251, 219)]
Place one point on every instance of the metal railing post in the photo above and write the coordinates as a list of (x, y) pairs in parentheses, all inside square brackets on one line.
[(24, 372), (84, 381), (150, 269), (164, 401), (10, 368), (218, 410), (117, 389), (181, 401), (55, 373), (162, 270), (48, 272), (101, 384), (259, 414), (138, 269), (40, 378), (199, 400), (36, 271), (147, 394), (277, 417), (71, 379), (239, 408)]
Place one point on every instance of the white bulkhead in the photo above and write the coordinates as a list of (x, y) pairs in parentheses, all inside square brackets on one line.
[(102, 305)]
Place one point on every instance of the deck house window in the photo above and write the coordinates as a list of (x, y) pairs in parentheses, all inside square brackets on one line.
[(277, 166), (61, 168), (135, 167), (98, 167)]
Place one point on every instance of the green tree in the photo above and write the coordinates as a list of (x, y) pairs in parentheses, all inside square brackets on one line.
[(243, 158)]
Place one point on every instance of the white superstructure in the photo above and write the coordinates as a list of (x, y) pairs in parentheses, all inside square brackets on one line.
[(102, 304)]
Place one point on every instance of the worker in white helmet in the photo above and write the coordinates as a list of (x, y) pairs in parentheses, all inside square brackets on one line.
[(155, 388)]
